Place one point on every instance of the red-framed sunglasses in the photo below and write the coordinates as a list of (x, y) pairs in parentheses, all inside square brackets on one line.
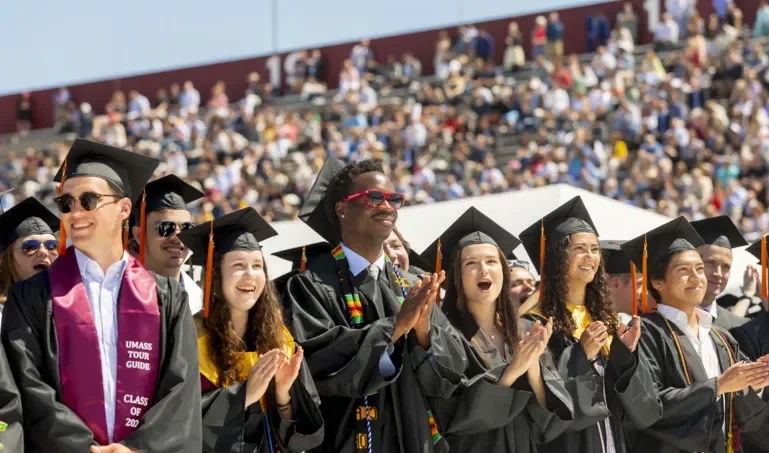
[(374, 198)]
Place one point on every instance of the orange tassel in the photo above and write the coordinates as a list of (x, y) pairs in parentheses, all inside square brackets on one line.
[(764, 264), (303, 261), (143, 228), (62, 231), (644, 288), (438, 267), (541, 259), (635, 288), (209, 271)]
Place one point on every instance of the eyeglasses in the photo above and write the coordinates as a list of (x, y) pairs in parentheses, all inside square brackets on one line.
[(88, 200), (168, 228), (374, 198), (31, 246)]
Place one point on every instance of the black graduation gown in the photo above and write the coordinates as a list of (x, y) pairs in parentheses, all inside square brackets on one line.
[(692, 418), (596, 398), (344, 361), (171, 425), (483, 416), (727, 320), (753, 337), (228, 427), (10, 408)]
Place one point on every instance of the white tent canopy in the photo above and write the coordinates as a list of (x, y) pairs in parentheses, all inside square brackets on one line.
[(515, 211)]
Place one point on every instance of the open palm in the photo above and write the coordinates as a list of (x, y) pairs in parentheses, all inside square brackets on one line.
[(287, 372)]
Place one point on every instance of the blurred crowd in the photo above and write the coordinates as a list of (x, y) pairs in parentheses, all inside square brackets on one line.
[(680, 126)]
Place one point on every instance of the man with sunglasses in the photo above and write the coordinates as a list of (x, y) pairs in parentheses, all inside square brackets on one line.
[(166, 215), (103, 351), (361, 321)]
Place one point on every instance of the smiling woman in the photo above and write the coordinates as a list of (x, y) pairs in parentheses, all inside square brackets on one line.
[(27, 242), (257, 392)]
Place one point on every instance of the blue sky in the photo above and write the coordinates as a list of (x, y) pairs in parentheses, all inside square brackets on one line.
[(64, 42)]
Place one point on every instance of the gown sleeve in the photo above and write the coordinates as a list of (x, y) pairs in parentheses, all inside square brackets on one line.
[(584, 385), (47, 421), (751, 412), (344, 361), (173, 424), (634, 385), (10, 410), (688, 417), (548, 423), (228, 426), (439, 369)]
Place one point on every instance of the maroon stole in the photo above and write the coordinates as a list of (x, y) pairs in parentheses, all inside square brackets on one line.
[(138, 350)]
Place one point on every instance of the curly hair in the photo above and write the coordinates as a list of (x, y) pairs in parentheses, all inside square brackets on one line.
[(8, 273), (556, 287), (265, 327), (454, 304), (340, 186)]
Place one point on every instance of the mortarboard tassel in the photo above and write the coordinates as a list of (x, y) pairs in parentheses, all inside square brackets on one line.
[(764, 264), (541, 259), (143, 228), (209, 271), (303, 260), (438, 267), (62, 231), (644, 287), (635, 288), (125, 235)]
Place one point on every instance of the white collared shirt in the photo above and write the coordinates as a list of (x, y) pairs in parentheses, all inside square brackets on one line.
[(102, 289), (357, 265), (704, 344), (712, 309)]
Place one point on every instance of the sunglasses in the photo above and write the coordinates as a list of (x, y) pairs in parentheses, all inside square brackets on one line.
[(88, 200), (374, 198), (168, 228), (31, 246)]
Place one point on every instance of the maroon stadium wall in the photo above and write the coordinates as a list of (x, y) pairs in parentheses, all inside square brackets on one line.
[(233, 73)]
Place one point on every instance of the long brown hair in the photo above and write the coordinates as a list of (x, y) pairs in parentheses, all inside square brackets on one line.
[(555, 284), (8, 273), (265, 327), (506, 310)]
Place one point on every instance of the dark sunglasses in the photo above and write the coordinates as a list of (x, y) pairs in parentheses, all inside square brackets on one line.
[(88, 200), (31, 246), (168, 228), (374, 198)]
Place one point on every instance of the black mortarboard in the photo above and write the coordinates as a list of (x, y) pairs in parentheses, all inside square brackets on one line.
[(569, 218), (417, 265), (239, 230), (720, 231), (318, 212), (27, 218), (472, 227), (654, 246), (615, 260), (168, 192), (127, 170), (299, 256)]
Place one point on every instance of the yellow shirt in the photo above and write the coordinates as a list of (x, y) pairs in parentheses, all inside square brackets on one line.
[(582, 319)]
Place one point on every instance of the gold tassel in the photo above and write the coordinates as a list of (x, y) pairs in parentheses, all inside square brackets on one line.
[(143, 228), (209, 271), (541, 259)]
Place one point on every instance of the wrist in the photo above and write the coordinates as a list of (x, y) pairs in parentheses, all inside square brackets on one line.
[(283, 398)]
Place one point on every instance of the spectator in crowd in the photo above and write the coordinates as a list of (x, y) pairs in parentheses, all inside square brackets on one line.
[(539, 37), (667, 32), (514, 56), (361, 54), (189, 97), (627, 20), (483, 45), (598, 31), (680, 11), (761, 27), (554, 34), (24, 116)]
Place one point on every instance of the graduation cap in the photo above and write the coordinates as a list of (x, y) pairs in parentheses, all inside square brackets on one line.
[(318, 212), (675, 236), (472, 227), (615, 260), (720, 231), (569, 218), (239, 230), (27, 218), (168, 192), (127, 170), (758, 249), (298, 256), (416, 261)]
